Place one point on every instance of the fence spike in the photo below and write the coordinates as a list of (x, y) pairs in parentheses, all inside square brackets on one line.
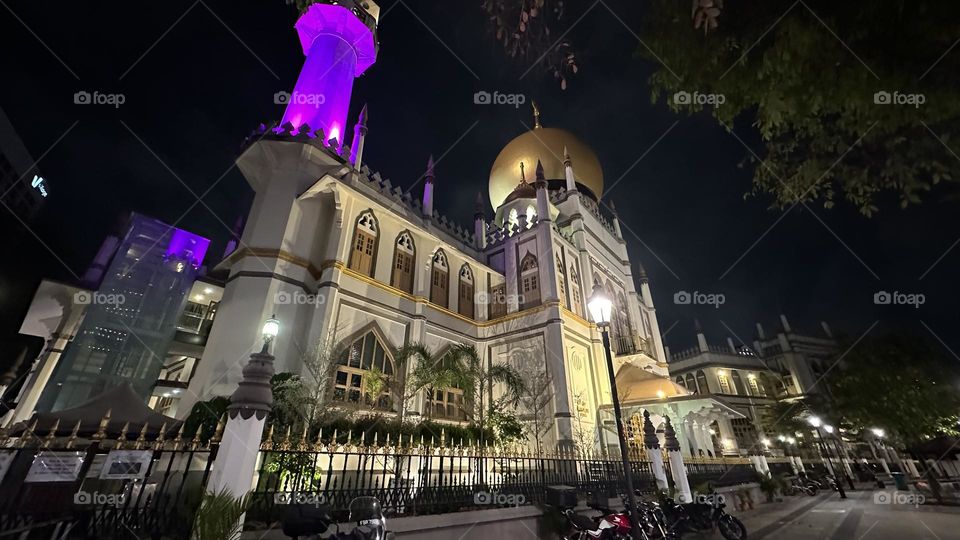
[(218, 431), (102, 429), (334, 443), (161, 437), (303, 438), (443, 437), (285, 443), (375, 438), (197, 441), (51, 434), (142, 438), (178, 439), (421, 440), (266, 443), (28, 434), (72, 439), (349, 437), (388, 439), (122, 438)]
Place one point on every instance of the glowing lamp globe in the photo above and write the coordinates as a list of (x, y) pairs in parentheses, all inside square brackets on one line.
[(877, 432), (815, 421), (600, 306), (270, 329), (828, 428)]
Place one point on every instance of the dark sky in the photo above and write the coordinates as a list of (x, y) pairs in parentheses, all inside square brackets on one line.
[(197, 77)]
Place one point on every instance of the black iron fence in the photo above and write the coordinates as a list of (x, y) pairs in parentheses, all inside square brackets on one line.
[(421, 480)]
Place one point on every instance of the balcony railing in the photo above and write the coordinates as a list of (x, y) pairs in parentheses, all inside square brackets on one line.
[(627, 345)]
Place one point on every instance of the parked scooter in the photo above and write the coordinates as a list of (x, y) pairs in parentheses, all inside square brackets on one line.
[(310, 521), (702, 517)]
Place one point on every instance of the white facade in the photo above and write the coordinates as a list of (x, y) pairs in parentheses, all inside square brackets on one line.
[(296, 262)]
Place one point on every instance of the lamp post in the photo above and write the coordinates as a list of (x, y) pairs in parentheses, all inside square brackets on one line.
[(816, 423), (600, 306), (841, 456)]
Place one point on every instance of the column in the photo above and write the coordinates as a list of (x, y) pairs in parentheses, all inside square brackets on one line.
[(236, 464), (652, 443), (677, 469)]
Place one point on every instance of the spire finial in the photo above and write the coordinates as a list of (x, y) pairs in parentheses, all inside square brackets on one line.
[(567, 161), (429, 174), (536, 116), (479, 206), (362, 121), (523, 178), (541, 177)]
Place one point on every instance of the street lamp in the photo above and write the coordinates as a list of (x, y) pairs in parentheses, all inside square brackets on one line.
[(877, 432), (601, 306), (270, 330), (816, 423)]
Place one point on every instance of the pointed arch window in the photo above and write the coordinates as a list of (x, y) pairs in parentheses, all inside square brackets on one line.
[(738, 382), (576, 297), (680, 382), (724, 381), (439, 279), (529, 281), (562, 283), (404, 255), (363, 252), (365, 356), (692, 384), (465, 292), (754, 384), (702, 385)]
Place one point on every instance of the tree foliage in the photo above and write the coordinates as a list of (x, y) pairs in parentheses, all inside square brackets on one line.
[(477, 378), (532, 31), (901, 384), (808, 77)]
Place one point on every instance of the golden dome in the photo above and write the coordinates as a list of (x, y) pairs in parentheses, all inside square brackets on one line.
[(545, 144)]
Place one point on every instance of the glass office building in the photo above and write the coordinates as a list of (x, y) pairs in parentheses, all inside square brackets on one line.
[(131, 318)]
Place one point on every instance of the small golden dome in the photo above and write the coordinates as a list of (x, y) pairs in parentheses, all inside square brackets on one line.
[(546, 145)]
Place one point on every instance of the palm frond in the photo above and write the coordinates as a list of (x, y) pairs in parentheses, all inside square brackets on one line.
[(218, 517)]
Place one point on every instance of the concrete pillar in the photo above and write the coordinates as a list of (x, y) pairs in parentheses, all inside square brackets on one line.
[(677, 469), (652, 444), (799, 462), (726, 434), (912, 466), (236, 464)]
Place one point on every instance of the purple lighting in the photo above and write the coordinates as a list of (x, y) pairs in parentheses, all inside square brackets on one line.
[(187, 246), (339, 47)]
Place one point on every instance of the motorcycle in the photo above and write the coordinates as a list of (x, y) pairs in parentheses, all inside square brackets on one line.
[(311, 521), (702, 517), (609, 526)]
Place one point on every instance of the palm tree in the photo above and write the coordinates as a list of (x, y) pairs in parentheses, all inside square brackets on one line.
[(477, 378), (427, 373)]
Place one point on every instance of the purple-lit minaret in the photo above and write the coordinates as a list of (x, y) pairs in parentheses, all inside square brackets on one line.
[(340, 42)]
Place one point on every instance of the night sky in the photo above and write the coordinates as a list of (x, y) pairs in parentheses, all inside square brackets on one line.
[(198, 77)]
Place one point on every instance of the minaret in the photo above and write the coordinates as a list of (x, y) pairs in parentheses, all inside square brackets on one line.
[(428, 191), (701, 339), (616, 220), (568, 171), (543, 202), (340, 43), (359, 135), (479, 225)]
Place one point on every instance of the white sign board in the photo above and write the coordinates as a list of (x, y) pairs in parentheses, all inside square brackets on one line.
[(126, 464), (55, 467)]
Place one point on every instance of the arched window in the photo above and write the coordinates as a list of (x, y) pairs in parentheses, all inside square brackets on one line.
[(531, 213), (702, 386), (766, 388), (680, 381), (364, 251), (497, 299), (365, 357), (439, 279), (465, 296), (562, 283), (577, 302), (724, 381), (404, 253), (626, 329), (692, 384), (738, 383), (446, 403), (754, 384), (529, 281)]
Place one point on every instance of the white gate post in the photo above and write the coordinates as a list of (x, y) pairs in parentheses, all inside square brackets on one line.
[(652, 445), (677, 469)]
